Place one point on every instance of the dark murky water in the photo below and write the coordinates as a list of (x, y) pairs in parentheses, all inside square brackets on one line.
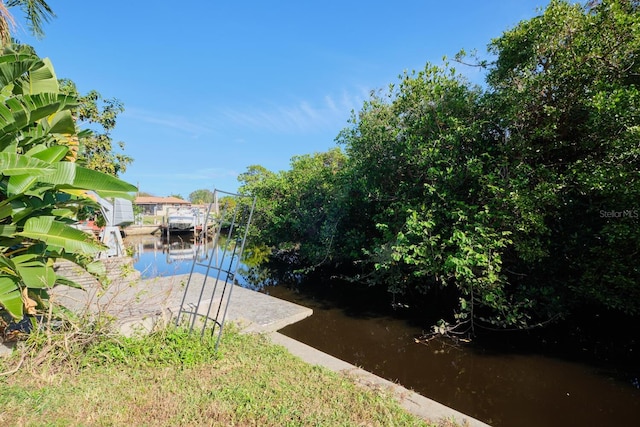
[(501, 388)]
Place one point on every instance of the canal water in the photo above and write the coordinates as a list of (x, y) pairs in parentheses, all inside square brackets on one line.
[(154, 256), (501, 385)]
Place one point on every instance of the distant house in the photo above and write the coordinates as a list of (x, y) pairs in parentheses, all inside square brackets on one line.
[(158, 206)]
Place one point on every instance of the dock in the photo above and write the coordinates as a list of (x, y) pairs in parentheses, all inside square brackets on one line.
[(141, 230)]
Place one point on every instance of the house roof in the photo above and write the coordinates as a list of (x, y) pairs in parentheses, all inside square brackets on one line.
[(152, 200)]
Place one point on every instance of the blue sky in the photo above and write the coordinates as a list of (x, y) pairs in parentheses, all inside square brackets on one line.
[(211, 87)]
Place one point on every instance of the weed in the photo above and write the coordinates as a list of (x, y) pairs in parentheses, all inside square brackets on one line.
[(172, 346)]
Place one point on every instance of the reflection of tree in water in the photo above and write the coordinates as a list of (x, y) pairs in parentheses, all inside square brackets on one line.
[(268, 268), (223, 253), (254, 268), (183, 249)]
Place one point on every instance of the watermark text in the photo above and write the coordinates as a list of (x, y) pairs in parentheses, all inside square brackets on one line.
[(628, 213)]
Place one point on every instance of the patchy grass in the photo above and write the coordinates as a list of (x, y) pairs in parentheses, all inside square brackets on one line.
[(172, 378)]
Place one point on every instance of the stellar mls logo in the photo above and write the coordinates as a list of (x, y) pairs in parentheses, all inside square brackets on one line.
[(629, 213)]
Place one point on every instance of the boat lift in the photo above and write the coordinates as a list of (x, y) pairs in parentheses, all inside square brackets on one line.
[(116, 213)]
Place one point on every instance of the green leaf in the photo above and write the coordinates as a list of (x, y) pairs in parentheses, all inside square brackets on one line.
[(68, 282), (70, 175), (49, 154), (58, 235), (97, 268), (16, 164), (19, 112), (19, 184), (33, 271), (62, 122), (22, 183), (42, 79), (5, 209), (10, 297), (7, 230), (14, 66), (64, 213)]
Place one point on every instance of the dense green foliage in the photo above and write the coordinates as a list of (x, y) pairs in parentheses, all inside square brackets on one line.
[(515, 203), (297, 210), (565, 86), (201, 197)]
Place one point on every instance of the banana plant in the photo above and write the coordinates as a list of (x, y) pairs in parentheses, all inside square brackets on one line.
[(42, 189)]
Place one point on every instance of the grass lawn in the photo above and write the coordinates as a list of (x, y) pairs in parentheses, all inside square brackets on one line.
[(172, 378)]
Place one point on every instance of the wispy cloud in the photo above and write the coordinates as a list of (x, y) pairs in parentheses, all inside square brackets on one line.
[(298, 117), (207, 173), (194, 128)]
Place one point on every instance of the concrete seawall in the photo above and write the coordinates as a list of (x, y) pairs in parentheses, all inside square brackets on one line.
[(140, 305)]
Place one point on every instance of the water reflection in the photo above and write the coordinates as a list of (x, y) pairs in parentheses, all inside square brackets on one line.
[(156, 256)]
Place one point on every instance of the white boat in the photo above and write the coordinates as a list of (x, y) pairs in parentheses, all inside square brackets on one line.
[(182, 220), (187, 251), (180, 254)]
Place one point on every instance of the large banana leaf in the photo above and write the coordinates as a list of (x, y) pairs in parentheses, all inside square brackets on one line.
[(58, 128), (58, 235), (14, 67), (22, 182), (34, 272), (11, 147), (48, 154), (41, 79), (10, 297), (41, 203), (16, 164), (67, 213), (62, 123), (19, 112), (26, 71), (70, 175)]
